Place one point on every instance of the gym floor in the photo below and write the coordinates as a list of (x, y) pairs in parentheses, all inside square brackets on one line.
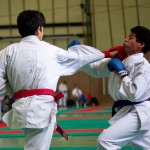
[(83, 126)]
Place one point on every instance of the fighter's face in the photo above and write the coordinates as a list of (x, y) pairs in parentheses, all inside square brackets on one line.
[(131, 46)]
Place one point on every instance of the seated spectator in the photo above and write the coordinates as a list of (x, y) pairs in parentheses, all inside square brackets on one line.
[(89, 97), (83, 100)]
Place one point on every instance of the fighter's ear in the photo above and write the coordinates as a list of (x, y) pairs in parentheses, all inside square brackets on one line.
[(40, 28), (141, 45), (37, 30)]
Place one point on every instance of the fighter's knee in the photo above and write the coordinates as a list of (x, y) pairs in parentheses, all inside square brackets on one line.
[(100, 143), (105, 144)]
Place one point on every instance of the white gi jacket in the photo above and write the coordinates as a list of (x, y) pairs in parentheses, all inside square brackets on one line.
[(63, 88), (134, 87), (77, 93), (33, 64)]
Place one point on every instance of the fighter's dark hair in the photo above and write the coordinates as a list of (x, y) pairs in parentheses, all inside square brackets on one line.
[(28, 22), (142, 36)]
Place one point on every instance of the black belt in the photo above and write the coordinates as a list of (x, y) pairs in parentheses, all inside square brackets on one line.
[(121, 103)]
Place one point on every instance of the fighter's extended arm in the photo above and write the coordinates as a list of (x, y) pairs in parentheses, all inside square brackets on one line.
[(111, 53)]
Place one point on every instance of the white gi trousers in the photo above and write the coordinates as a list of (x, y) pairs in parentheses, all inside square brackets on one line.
[(122, 131), (63, 100), (39, 139)]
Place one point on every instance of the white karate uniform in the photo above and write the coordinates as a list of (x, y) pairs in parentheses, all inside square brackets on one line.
[(131, 123), (64, 89), (33, 64), (77, 93)]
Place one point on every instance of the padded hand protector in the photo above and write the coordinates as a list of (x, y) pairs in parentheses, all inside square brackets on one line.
[(116, 65), (121, 53), (74, 42)]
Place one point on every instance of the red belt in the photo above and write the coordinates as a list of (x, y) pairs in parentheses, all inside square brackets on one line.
[(26, 93), (32, 92)]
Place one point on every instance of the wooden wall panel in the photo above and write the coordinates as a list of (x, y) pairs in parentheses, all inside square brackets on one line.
[(75, 11), (131, 18), (4, 19), (46, 8), (101, 25), (60, 11), (144, 12), (15, 10), (116, 19), (31, 4)]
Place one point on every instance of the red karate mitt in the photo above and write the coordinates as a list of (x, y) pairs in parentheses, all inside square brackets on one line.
[(121, 53)]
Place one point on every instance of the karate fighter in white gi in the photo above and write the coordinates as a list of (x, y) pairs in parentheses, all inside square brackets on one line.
[(64, 89), (129, 86), (29, 71)]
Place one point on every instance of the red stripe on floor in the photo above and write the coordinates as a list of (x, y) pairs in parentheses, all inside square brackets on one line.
[(92, 109), (11, 132), (84, 130), (67, 131)]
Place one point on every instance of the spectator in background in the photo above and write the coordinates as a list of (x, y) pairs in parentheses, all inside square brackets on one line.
[(64, 89), (4, 103), (77, 93), (1, 98), (83, 100), (89, 97), (91, 101), (94, 101)]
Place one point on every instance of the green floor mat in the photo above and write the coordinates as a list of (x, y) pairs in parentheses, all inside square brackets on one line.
[(66, 148), (83, 124)]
